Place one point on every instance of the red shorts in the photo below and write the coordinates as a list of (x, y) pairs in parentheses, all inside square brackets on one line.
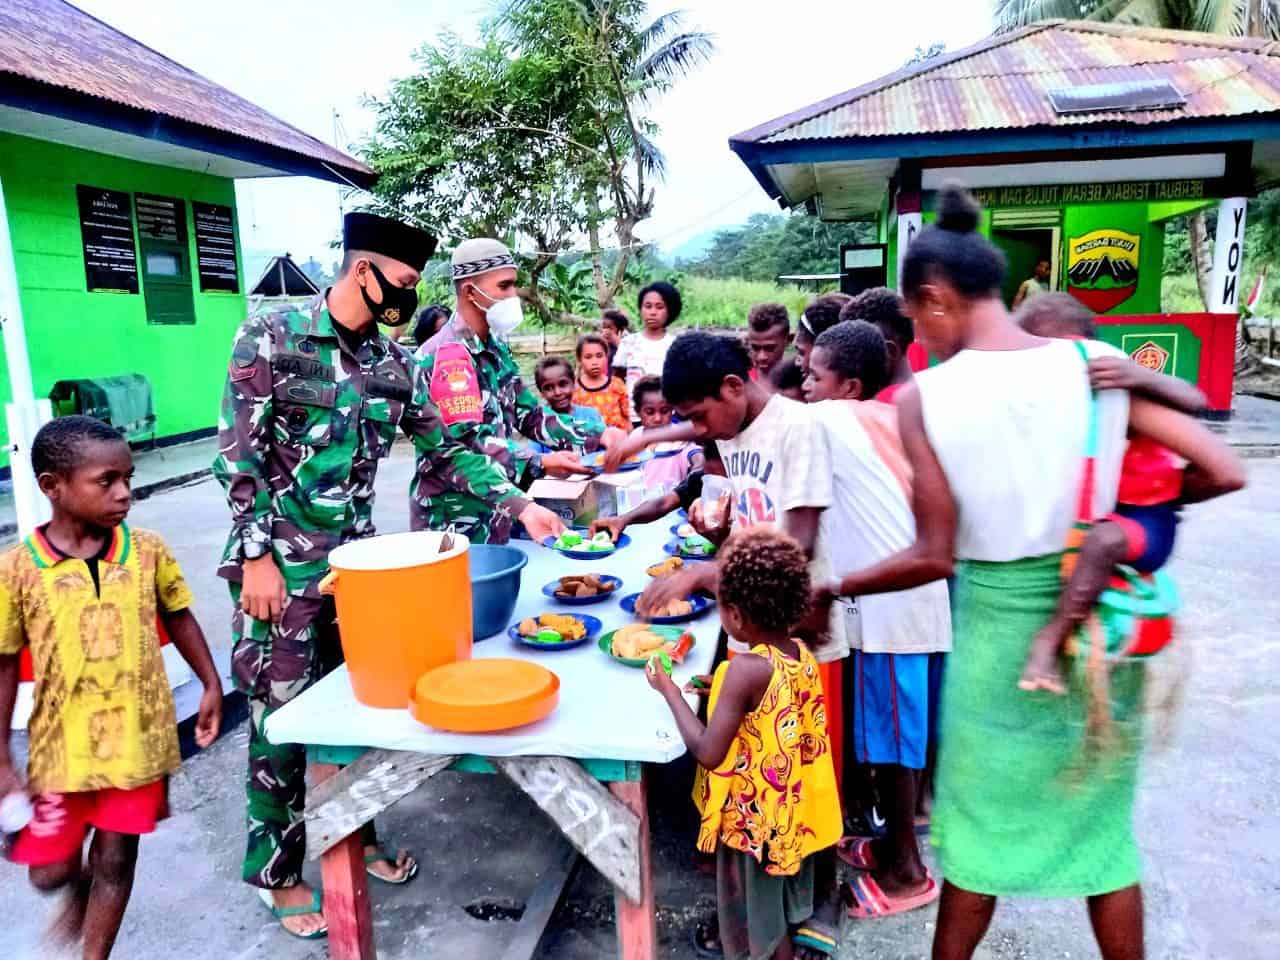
[(62, 820)]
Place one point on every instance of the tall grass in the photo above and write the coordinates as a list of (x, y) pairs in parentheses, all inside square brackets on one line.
[(708, 302)]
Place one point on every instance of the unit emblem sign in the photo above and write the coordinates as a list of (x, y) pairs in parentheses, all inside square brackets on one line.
[(1102, 268), (1151, 355)]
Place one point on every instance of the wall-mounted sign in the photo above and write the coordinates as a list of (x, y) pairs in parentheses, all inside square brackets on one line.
[(1102, 268), (106, 231), (1155, 351), (216, 247), (1130, 191), (161, 218)]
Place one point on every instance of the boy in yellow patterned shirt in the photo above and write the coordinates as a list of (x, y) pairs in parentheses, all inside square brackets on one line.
[(83, 593)]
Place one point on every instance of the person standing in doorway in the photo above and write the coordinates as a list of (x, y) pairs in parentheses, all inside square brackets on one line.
[(312, 401), (1034, 285)]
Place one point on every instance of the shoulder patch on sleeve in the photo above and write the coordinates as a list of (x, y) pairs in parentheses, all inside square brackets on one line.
[(244, 354)]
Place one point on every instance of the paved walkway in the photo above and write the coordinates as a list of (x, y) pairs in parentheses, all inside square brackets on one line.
[(1206, 819)]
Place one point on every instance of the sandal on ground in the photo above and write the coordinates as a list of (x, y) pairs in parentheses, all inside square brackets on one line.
[(280, 913), (381, 856), (857, 852), (706, 939), (869, 901), (816, 936)]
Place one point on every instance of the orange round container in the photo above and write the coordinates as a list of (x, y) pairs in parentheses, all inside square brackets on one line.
[(403, 608), (484, 696)]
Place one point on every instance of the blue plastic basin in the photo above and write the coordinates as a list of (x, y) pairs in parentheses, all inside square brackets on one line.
[(495, 586)]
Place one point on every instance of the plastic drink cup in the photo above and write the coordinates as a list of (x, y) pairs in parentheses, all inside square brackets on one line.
[(15, 812), (716, 492)]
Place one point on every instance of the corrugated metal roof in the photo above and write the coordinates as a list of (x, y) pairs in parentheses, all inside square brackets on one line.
[(1003, 83), (55, 43)]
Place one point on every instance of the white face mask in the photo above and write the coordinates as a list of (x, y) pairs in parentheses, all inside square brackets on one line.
[(503, 315)]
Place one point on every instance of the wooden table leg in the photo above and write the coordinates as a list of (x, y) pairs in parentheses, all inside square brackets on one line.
[(346, 890), (637, 923)]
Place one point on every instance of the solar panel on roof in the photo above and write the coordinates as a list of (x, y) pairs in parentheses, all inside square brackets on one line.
[(1130, 95)]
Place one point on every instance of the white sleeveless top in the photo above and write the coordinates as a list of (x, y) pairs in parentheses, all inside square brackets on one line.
[(1009, 429)]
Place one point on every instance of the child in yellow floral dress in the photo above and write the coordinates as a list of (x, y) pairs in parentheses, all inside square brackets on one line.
[(766, 787), (83, 593)]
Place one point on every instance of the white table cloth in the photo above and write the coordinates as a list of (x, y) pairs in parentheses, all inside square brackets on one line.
[(607, 710)]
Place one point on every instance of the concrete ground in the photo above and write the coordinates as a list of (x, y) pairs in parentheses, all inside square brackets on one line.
[(1207, 818)]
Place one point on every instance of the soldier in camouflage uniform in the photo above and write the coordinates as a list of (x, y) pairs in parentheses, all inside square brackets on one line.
[(483, 400), (312, 404)]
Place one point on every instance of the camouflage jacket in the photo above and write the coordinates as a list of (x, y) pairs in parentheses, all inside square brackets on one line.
[(304, 423), (508, 411)]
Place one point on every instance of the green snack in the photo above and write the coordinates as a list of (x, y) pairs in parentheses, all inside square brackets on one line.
[(664, 659), (570, 538), (698, 546), (547, 635)]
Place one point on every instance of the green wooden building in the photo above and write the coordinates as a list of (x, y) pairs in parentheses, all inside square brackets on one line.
[(1080, 140), (119, 236)]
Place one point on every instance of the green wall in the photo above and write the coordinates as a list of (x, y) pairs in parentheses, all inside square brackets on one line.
[(1131, 218), (72, 333)]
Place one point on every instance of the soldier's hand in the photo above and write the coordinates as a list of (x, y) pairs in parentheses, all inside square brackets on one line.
[(564, 463), (262, 596), (621, 452), (540, 523)]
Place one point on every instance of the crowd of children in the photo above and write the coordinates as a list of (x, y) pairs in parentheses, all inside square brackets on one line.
[(852, 492), (859, 483)]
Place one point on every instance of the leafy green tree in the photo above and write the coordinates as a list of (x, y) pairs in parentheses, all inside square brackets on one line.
[(539, 135), (768, 246), (619, 62)]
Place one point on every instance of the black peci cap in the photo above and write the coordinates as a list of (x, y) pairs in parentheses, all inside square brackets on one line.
[(391, 238)]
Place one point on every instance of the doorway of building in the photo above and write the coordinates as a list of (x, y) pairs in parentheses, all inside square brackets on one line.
[(1024, 248)]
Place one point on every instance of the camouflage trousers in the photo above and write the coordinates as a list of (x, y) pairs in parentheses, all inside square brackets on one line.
[(271, 664)]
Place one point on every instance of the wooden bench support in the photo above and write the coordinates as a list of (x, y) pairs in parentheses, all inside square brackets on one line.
[(346, 888), (605, 831), (349, 799), (636, 918)]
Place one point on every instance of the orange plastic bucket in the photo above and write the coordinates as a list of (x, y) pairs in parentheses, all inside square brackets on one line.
[(403, 608)]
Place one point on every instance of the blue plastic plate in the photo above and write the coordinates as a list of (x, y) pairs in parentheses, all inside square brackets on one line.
[(700, 603), (577, 554), (596, 461), (550, 591), (591, 623), (675, 548)]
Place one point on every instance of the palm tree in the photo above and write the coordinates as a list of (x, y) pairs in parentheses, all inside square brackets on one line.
[(1231, 18), (624, 64)]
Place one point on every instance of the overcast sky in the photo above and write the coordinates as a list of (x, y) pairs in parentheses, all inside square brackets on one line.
[(304, 59)]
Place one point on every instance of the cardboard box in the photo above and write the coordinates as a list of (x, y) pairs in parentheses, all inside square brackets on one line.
[(619, 493), (576, 501)]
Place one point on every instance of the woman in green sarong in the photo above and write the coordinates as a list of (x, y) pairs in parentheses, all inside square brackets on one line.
[(996, 436)]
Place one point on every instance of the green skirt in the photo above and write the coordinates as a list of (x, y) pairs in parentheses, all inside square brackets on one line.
[(1022, 807)]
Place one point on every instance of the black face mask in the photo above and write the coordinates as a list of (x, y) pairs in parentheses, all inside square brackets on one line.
[(398, 303)]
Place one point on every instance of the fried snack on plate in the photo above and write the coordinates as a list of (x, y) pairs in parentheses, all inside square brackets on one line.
[(676, 608), (635, 642), (570, 628), (666, 567)]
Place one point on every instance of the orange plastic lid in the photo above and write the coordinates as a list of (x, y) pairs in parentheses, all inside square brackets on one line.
[(483, 696)]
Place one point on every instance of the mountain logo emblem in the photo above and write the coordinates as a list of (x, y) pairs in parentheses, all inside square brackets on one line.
[(1102, 268)]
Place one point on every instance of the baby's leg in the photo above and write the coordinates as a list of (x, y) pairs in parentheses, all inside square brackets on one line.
[(112, 859), (1106, 545)]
